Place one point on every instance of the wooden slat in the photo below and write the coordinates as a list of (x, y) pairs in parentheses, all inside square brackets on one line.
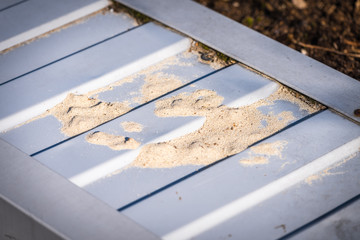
[(44, 205), (33, 18), (58, 45)]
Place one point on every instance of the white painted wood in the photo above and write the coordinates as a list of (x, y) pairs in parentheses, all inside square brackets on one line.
[(295, 207), (6, 4), (98, 66), (226, 198), (219, 216), (60, 44), (186, 69), (342, 224), (33, 18)]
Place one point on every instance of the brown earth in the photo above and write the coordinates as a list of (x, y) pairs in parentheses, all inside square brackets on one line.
[(328, 31)]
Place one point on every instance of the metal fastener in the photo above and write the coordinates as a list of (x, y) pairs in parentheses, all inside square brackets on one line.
[(357, 112)]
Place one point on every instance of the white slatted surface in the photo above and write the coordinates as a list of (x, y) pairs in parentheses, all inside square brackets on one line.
[(225, 200), (32, 18), (21, 136), (229, 194), (61, 44)]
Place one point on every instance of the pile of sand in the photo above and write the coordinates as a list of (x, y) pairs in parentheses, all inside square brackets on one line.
[(226, 131), (158, 84), (78, 113), (132, 126)]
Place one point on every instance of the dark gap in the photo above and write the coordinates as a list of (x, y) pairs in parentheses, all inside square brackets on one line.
[(170, 185)]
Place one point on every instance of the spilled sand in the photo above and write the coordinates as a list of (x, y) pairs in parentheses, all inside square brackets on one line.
[(226, 130), (132, 126), (261, 153), (79, 113), (254, 160), (329, 171), (158, 84), (112, 141), (269, 149)]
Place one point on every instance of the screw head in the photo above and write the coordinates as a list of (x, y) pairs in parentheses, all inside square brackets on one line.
[(357, 112)]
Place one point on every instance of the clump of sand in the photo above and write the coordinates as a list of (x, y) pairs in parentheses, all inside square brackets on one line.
[(158, 84), (262, 153), (255, 160), (79, 113), (226, 130), (112, 141), (132, 126)]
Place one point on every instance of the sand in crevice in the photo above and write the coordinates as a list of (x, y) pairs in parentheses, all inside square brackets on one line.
[(132, 126), (209, 56), (226, 130), (112, 141), (78, 113)]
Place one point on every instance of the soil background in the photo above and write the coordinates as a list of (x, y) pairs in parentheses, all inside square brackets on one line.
[(328, 30)]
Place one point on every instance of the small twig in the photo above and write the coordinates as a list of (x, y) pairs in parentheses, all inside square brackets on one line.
[(355, 50), (327, 49), (348, 42)]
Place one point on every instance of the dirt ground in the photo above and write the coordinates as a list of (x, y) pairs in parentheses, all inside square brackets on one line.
[(328, 30)]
